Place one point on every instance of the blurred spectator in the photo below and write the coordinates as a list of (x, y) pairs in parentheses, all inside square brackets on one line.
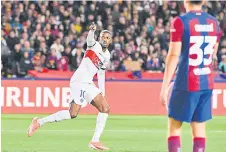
[(14, 60), (67, 53), (5, 54), (12, 40), (117, 55), (27, 48), (115, 13), (16, 24), (78, 25), (39, 61), (222, 64), (63, 64), (52, 60), (25, 64), (43, 48), (153, 64), (59, 48), (140, 31), (77, 55), (17, 54)]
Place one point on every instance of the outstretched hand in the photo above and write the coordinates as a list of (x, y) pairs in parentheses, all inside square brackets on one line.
[(92, 27)]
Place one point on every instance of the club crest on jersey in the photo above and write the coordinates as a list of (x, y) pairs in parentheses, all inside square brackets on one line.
[(94, 58)]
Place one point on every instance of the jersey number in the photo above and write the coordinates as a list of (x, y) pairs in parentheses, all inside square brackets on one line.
[(203, 56), (82, 94)]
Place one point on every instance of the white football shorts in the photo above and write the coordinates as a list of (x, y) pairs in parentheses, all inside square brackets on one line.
[(83, 93)]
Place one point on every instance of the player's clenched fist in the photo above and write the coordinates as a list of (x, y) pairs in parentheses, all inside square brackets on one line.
[(92, 26)]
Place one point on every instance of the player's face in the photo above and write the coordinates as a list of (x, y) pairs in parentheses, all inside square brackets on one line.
[(105, 39)]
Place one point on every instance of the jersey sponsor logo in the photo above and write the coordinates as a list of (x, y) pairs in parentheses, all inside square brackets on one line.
[(204, 27), (94, 58)]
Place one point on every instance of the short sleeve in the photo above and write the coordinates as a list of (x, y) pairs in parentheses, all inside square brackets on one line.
[(176, 30), (219, 34)]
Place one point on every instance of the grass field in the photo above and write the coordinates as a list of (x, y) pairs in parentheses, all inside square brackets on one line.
[(122, 134)]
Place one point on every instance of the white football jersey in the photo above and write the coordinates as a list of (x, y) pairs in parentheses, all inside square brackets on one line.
[(94, 59)]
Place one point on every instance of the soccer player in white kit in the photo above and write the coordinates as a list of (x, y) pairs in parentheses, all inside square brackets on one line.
[(83, 90)]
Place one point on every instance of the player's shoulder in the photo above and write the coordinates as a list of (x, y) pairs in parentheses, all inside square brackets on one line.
[(98, 43), (96, 47), (108, 54), (177, 19), (211, 17), (184, 17), (177, 22)]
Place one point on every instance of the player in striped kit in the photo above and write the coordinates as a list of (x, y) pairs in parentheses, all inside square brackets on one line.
[(193, 45), (83, 90)]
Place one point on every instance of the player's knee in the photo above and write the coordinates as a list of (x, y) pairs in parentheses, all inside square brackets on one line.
[(73, 116), (105, 109)]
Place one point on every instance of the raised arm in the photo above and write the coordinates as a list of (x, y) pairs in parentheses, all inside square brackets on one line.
[(90, 38)]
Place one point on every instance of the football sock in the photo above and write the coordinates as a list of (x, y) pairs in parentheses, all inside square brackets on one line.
[(174, 144), (58, 116), (199, 144), (100, 124)]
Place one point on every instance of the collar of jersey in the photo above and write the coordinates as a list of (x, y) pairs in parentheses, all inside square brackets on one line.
[(196, 11)]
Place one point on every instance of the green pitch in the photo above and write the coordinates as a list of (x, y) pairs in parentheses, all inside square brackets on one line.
[(122, 134)]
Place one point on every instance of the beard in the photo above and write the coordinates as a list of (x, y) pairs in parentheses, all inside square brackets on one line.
[(104, 45)]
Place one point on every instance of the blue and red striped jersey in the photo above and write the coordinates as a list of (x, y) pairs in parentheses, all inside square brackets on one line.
[(198, 32)]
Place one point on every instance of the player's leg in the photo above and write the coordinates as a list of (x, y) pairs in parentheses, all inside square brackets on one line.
[(72, 112), (174, 132), (199, 136), (202, 113), (100, 103), (181, 109), (56, 117), (61, 115)]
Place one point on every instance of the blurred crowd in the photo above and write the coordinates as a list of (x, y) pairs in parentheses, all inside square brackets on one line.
[(43, 35)]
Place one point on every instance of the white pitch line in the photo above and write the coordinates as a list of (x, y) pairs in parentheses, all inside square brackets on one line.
[(107, 130)]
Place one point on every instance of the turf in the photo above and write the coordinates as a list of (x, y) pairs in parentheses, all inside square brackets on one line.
[(122, 134)]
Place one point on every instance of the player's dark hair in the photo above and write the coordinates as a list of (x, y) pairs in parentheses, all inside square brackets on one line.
[(106, 31), (196, 2)]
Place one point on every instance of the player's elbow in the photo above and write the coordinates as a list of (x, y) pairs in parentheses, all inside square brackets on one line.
[(173, 55), (172, 58), (89, 42)]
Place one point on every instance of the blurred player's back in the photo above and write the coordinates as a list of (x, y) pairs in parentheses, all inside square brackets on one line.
[(199, 34)]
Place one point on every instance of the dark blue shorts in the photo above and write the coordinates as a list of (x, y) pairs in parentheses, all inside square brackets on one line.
[(188, 106)]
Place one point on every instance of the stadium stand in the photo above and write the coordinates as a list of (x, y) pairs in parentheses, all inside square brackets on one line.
[(45, 35)]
